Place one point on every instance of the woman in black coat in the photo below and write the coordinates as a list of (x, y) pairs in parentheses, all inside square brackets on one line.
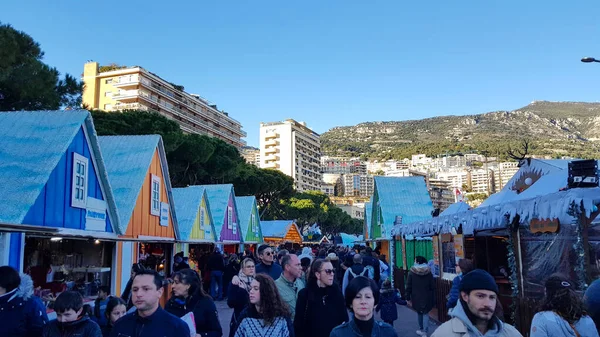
[(188, 296), (320, 306), (420, 289), (238, 292)]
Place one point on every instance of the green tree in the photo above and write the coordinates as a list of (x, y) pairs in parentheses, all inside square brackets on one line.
[(26, 83)]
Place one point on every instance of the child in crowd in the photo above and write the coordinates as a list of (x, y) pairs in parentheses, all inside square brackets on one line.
[(388, 299), (70, 320)]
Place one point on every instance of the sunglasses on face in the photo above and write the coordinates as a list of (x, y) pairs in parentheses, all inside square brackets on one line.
[(328, 271), (268, 253)]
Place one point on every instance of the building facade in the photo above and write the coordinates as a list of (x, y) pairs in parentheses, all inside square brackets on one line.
[(251, 155), (122, 88), (357, 184), (340, 165), (294, 149)]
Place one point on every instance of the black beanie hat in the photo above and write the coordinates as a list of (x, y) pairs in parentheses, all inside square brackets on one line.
[(478, 279)]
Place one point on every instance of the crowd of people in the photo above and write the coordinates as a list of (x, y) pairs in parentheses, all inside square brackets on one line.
[(284, 293)]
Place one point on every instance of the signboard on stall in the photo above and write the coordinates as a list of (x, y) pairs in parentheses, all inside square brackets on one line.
[(459, 247), (544, 226), (164, 214), (95, 215), (436, 250)]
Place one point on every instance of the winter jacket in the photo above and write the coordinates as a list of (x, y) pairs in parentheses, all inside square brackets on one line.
[(126, 295), (373, 263), (238, 299), (216, 263), (100, 310), (289, 292), (461, 326), (349, 329), (205, 313), (454, 292), (388, 298), (83, 327), (21, 313), (319, 310), (159, 324), (352, 272), (550, 324), (251, 324), (420, 288), (274, 270)]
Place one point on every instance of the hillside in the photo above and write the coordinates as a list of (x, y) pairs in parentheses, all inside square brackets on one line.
[(555, 129)]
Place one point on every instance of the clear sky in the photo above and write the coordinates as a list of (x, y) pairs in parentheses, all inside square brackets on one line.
[(333, 63)]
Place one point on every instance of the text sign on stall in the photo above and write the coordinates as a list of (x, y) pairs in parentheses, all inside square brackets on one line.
[(459, 247), (164, 214), (95, 215), (544, 226)]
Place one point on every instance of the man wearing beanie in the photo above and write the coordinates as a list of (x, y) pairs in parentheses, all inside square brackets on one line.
[(474, 315)]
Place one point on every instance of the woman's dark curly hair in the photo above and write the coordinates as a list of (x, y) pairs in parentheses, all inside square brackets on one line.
[(271, 304), (562, 299)]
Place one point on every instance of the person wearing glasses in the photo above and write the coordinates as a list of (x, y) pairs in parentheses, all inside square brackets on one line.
[(320, 306), (266, 265)]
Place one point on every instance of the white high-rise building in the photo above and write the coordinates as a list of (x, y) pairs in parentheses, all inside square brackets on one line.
[(294, 149)]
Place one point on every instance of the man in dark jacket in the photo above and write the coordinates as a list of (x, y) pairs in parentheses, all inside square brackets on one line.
[(70, 320), (357, 269), (372, 262), (267, 266), (149, 320), (420, 289), (216, 267), (21, 314)]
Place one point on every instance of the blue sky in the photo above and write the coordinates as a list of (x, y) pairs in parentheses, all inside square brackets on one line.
[(333, 63)]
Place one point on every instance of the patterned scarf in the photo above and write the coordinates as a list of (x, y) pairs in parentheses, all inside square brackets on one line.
[(246, 280)]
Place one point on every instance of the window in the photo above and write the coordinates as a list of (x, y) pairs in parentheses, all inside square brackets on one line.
[(254, 226), (107, 107), (108, 81), (229, 217), (79, 183), (155, 196), (108, 94)]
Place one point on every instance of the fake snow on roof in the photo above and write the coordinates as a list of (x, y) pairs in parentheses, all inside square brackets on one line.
[(218, 199), (276, 228), (245, 207), (349, 239), (368, 214), (187, 204), (32, 144), (460, 206)]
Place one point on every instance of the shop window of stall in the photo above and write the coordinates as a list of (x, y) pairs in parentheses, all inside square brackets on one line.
[(155, 196), (156, 256), (79, 182), (448, 254)]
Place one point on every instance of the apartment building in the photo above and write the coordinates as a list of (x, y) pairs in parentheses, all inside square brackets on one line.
[(442, 194), (120, 88), (503, 173), (251, 155), (457, 178), (339, 165), (294, 149), (358, 184), (481, 181)]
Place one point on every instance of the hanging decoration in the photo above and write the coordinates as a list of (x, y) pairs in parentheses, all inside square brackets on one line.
[(512, 266), (575, 212), (392, 261)]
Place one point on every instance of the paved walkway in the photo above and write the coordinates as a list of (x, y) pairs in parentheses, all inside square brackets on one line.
[(406, 325)]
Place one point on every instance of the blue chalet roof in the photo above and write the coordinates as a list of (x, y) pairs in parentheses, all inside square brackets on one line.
[(32, 143), (276, 228), (218, 199), (404, 196), (187, 203), (128, 159), (457, 207), (245, 207), (368, 214)]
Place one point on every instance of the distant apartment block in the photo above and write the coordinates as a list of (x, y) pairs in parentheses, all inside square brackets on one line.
[(456, 178), (356, 211), (339, 165), (122, 88), (358, 184), (251, 155), (328, 189), (294, 149), (481, 181), (503, 173)]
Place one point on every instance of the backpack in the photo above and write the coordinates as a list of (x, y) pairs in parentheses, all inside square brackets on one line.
[(353, 275)]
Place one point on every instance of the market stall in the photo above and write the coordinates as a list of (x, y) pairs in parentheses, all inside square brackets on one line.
[(139, 175), (285, 232), (59, 220), (222, 204), (249, 222)]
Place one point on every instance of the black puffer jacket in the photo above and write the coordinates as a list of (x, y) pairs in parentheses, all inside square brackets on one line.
[(420, 288), (84, 327), (205, 313), (319, 310), (21, 313)]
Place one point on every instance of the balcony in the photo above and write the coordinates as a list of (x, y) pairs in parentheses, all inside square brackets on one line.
[(130, 106), (126, 81), (271, 157), (272, 165), (271, 149), (123, 95), (271, 142), (271, 135)]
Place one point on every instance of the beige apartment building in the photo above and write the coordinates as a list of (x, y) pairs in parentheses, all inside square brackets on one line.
[(294, 149), (119, 88)]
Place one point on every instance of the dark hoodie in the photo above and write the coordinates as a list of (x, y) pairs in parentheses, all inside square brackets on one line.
[(83, 327), (319, 310), (420, 288), (21, 313), (352, 272)]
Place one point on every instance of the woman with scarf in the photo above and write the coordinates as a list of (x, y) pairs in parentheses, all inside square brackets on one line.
[(238, 292)]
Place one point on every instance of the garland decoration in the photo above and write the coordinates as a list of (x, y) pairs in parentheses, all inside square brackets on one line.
[(512, 266), (575, 212)]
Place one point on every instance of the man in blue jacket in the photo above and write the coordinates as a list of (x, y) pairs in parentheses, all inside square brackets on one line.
[(267, 266), (149, 320)]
